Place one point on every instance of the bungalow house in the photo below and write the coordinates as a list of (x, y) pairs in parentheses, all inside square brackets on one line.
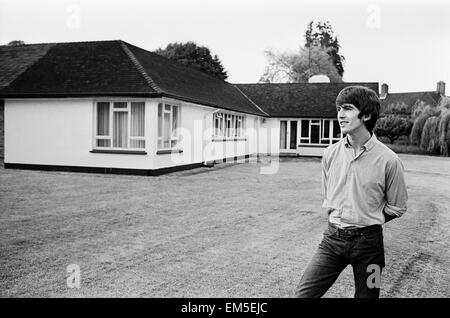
[(408, 101), (14, 60), (301, 115), (109, 106)]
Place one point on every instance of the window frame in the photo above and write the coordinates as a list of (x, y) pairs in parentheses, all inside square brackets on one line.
[(323, 140), (174, 137), (228, 126), (110, 136)]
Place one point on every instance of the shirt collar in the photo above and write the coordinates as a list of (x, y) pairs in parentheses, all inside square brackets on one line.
[(367, 146)]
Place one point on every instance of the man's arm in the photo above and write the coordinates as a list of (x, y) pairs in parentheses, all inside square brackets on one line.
[(388, 217), (396, 193), (324, 181)]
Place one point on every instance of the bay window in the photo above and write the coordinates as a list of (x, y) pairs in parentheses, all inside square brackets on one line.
[(120, 125)]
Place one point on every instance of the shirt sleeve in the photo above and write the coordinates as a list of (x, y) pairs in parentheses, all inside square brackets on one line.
[(324, 180), (396, 193)]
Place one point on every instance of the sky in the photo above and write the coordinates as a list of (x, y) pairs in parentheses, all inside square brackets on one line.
[(405, 44)]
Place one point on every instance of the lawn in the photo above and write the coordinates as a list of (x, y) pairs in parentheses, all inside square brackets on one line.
[(227, 231)]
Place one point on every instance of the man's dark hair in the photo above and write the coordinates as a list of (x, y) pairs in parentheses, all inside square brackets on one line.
[(365, 99)]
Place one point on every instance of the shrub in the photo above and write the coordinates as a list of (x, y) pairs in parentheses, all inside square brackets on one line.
[(393, 127), (430, 135)]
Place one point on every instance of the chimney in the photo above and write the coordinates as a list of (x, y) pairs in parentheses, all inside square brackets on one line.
[(441, 88), (384, 90)]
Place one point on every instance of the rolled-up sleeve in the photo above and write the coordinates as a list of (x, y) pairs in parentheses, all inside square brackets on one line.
[(396, 193)]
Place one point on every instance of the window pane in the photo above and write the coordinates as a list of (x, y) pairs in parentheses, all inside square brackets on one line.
[(120, 104), (326, 128), (120, 128), (167, 107), (102, 119), (160, 122), (315, 134), (137, 119), (216, 124), (336, 129), (304, 141), (174, 120), (305, 128), (293, 141), (166, 136), (137, 143), (103, 143), (238, 126), (283, 131)]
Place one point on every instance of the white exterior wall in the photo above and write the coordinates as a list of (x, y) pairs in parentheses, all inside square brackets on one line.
[(196, 130), (60, 132), (269, 137)]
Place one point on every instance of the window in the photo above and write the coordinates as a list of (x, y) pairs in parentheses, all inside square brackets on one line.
[(336, 132), (319, 131), (168, 122), (120, 125), (228, 125), (304, 136), (283, 133)]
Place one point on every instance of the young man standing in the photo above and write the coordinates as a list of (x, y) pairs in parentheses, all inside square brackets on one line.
[(363, 187)]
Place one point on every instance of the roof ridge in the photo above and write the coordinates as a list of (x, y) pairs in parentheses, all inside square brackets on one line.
[(56, 43), (305, 83), (139, 67), (421, 92), (252, 102)]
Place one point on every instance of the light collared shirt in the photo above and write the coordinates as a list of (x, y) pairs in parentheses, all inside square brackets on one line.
[(357, 189)]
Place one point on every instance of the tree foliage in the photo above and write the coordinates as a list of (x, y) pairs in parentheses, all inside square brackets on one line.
[(444, 133), (16, 43), (393, 127), (299, 67), (430, 135), (319, 56), (321, 34), (195, 56)]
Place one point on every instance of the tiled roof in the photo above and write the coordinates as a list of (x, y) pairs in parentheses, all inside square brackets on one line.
[(14, 60), (409, 99), (175, 79), (298, 99), (116, 68)]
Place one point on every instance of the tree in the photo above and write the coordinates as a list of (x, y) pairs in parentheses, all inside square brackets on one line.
[(321, 34), (299, 67), (393, 127), (193, 55), (16, 43), (430, 135)]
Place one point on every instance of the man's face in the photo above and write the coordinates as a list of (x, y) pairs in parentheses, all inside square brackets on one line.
[(347, 115)]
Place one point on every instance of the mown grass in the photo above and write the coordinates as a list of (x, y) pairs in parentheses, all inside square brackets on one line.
[(227, 231)]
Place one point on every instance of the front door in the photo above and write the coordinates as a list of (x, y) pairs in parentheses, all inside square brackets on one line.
[(288, 135)]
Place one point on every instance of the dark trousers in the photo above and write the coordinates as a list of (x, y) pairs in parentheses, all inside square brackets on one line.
[(362, 248)]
